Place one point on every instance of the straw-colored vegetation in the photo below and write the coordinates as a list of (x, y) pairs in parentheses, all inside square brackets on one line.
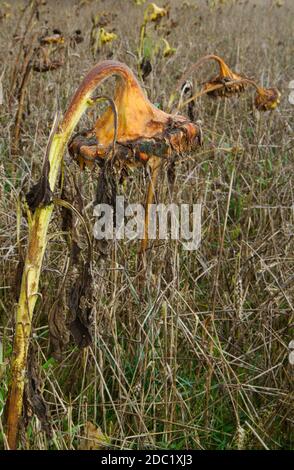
[(112, 346)]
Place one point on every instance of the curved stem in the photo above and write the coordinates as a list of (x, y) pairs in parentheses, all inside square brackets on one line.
[(225, 70), (38, 237), (95, 77)]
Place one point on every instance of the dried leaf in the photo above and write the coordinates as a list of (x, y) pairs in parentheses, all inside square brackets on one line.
[(80, 305), (94, 438), (40, 194), (34, 403), (58, 331)]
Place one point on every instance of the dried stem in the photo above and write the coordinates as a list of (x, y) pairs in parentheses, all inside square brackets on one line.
[(15, 72)]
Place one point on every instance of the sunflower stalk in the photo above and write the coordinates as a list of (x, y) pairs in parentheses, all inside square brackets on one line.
[(29, 293), (129, 118)]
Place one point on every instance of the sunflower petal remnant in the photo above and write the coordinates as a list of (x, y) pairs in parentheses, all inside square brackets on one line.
[(106, 37), (154, 13)]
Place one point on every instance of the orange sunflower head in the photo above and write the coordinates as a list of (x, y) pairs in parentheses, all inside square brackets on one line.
[(142, 131)]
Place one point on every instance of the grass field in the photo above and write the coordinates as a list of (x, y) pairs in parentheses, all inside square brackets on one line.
[(199, 357)]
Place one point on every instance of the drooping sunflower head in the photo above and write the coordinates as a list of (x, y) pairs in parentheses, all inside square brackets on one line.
[(267, 99), (226, 84), (131, 127)]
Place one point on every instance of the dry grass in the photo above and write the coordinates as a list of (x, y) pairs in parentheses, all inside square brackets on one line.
[(199, 358)]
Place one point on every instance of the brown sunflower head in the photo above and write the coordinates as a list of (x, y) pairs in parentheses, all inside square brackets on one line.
[(226, 84), (267, 99)]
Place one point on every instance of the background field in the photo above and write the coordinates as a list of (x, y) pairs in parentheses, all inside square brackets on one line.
[(198, 358)]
